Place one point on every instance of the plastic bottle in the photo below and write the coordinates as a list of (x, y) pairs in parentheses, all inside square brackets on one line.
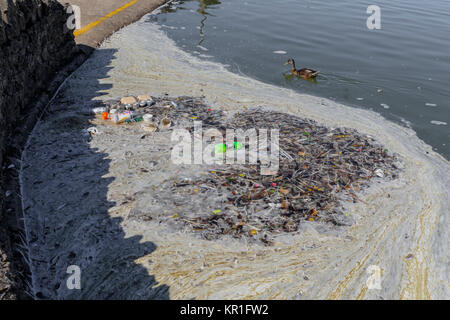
[(122, 116)]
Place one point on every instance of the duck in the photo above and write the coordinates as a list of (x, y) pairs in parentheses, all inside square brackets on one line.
[(306, 73)]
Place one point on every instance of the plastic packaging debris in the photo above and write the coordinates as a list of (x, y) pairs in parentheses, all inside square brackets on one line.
[(91, 131), (150, 102), (8, 193), (149, 127), (166, 123), (122, 116), (99, 110), (128, 100), (147, 117), (144, 97), (105, 116), (237, 145), (137, 119), (220, 148), (379, 173), (175, 105)]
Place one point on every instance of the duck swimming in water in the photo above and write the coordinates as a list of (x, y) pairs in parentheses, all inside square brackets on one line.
[(306, 73)]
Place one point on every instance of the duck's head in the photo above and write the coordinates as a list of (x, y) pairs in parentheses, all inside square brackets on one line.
[(290, 61)]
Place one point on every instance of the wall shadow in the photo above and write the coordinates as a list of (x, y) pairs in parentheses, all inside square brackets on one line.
[(67, 209)]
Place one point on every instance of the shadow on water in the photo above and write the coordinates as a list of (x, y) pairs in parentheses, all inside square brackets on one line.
[(68, 194)]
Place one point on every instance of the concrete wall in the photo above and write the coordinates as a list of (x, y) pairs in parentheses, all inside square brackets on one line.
[(34, 45)]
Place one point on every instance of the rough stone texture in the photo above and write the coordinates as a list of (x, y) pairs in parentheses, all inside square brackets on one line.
[(34, 45)]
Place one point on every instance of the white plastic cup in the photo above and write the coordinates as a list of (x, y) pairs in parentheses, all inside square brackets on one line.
[(147, 117)]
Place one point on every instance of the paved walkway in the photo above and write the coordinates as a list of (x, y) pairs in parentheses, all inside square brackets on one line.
[(100, 18)]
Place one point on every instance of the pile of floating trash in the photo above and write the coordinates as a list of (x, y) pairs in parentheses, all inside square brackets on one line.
[(157, 114), (320, 169)]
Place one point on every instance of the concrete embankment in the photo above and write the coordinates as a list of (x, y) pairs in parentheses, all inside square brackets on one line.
[(35, 45), (99, 18), (38, 51)]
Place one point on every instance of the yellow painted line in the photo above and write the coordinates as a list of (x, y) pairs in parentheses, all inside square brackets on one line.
[(103, 19)]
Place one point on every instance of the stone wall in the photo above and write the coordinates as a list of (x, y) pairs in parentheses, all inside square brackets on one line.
[(35, 45)]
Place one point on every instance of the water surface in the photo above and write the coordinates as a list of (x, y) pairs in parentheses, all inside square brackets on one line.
[(400, 71)]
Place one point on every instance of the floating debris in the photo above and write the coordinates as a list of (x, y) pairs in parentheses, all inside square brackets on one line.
[(144, 98), (147, 117), (99, 110), (379, 173), (166, 123), (91, 131), (384, 105), (202, 48), (438, 123), (149, 127), (406, 122), (409, 256), (128, 100), (319, 169), (431, 104)]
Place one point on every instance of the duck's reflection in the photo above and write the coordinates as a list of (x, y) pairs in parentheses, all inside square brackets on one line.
[(288, 77)]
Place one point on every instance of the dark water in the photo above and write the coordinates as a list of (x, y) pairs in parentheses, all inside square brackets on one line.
[(400, 71)]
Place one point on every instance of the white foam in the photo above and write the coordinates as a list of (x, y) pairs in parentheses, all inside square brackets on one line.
[(202, 48), (438, 123)]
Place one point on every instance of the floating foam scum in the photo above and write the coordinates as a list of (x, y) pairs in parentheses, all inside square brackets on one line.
[(404, 218)]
